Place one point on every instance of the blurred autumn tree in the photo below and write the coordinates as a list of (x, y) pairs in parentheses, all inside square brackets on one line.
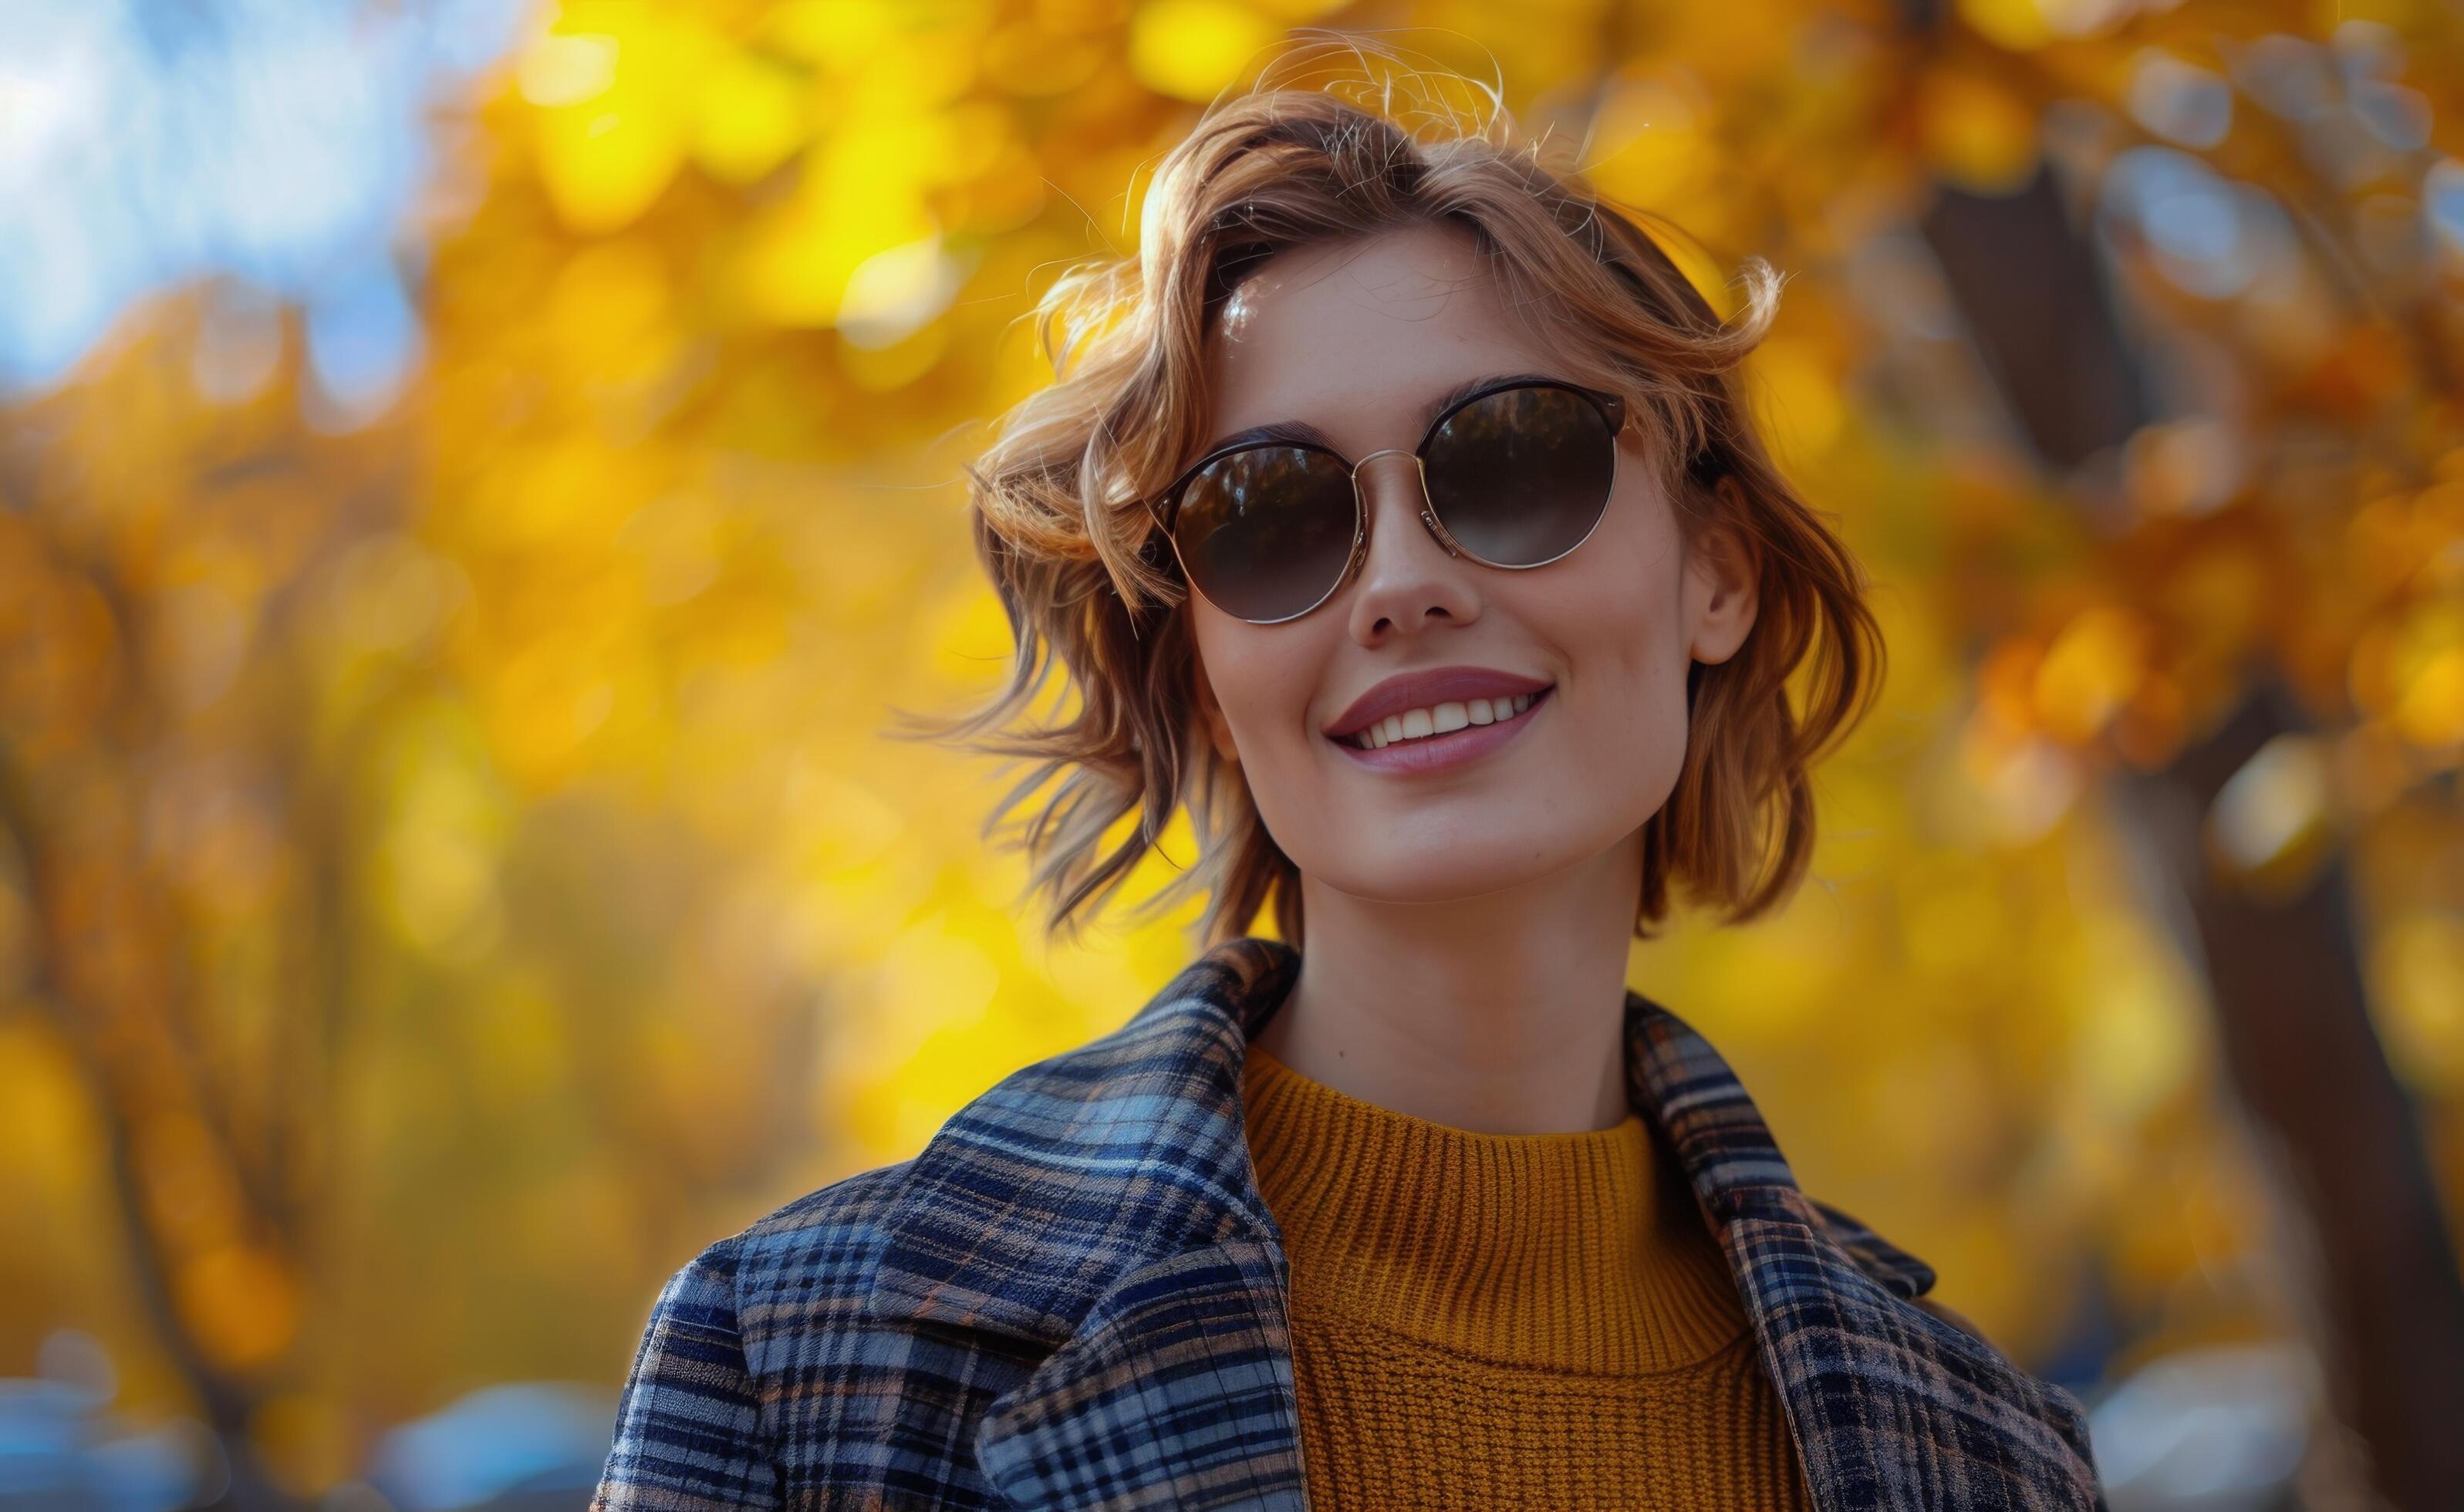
[(453, 869), (2247, 625)]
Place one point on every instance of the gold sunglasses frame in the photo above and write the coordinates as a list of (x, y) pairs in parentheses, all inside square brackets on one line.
[(1165, 508)]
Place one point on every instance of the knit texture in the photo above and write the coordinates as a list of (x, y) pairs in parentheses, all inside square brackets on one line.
[(1508, 1321)]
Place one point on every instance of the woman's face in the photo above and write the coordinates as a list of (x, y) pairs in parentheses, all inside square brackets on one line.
[(1357, 338)]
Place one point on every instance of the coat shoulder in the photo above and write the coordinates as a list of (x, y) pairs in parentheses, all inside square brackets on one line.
[(766, 1380), (860, 1409), (700, 1425), (831, 1236)]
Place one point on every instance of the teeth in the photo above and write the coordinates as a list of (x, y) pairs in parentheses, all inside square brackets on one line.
[(1418, 724)]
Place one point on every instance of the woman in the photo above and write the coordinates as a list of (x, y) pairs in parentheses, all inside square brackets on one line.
[(1399, 512)]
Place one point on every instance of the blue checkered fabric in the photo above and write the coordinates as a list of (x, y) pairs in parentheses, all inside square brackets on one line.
[(1074, 1297)]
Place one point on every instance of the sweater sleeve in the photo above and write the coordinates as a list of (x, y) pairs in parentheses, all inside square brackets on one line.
[(687, 1425)]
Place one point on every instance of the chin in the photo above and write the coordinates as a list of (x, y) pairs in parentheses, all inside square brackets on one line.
[(1438, 873)]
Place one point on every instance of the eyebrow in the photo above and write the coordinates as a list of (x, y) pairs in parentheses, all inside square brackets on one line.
[(1303, 433)]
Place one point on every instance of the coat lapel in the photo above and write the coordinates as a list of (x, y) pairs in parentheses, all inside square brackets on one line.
[(1176, 1390), (1099, 1208), (1891, 1406)]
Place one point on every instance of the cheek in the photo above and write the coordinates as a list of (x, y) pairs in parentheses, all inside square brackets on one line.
[(1617, 630), (1265, 678), (1626, 678), (1609, 609), (1261, 681)]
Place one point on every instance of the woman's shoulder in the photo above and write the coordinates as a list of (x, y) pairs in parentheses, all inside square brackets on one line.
[(765, 1364), (805, 1269), (824, 1241)]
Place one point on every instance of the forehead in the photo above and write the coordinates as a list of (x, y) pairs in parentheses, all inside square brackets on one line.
[(1330, 332)]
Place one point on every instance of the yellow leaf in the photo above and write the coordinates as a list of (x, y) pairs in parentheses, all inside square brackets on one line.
[(1651, 145), (2089, 672), (603, 162), (1803, 396), (2419, 962), (1975, 132), (240, 1304), (1193, 48), (752, 117), (2019, 25)]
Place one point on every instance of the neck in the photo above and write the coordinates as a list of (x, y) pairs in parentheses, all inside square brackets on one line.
[(1499, 1014)]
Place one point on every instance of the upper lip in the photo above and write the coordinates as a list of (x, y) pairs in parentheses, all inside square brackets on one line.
[(1426, 689)]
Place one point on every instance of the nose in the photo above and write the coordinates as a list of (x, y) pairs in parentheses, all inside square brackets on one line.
[(1416, 483), (1407, 574)]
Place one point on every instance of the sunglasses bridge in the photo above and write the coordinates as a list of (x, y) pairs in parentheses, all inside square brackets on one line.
[(1428, 516)]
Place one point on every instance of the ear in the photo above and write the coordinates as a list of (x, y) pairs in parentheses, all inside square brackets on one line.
[(1722, 569), (1218, 729)]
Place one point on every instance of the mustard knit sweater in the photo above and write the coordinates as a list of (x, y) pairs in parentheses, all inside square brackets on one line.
[(1508, 1321)]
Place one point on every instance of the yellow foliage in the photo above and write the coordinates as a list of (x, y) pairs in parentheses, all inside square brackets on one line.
[(1803, 411), (2416, 961), (46, 1119), (2015, 24), (618, 79), (1650, 144), (2141, 1039), (2090, 670), (755, 114), (241, 1302), (1193, 48), (1977, 134)]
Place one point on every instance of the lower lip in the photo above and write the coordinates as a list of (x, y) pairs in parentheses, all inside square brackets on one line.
[(1454, 748)]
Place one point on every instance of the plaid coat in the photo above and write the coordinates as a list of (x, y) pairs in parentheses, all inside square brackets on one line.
[(1074, 1297)]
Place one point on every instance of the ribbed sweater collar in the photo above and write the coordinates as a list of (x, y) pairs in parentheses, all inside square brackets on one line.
[(1576, 1252)]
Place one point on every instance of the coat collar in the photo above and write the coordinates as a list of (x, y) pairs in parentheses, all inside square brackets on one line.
[(1056, 1208), (1132, 1147), (1073, 1172)]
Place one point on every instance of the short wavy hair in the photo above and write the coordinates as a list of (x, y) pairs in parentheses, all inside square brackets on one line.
[(1061, 523)]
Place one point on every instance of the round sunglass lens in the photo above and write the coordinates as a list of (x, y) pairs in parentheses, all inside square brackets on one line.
[(1519, 477), (1265, 533)]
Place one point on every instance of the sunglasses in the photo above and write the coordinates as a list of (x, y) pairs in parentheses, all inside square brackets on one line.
[(1515, 474)]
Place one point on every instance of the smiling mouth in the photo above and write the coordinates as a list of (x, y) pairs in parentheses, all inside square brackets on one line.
[(1437, 722)]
